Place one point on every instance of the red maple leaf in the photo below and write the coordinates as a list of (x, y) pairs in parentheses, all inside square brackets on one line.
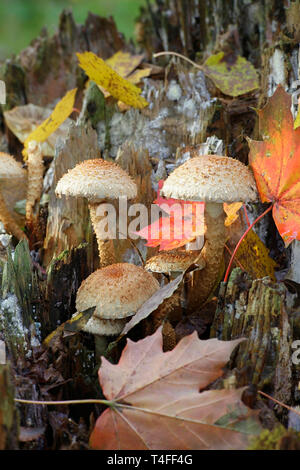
[(276, 164), (185, 221)]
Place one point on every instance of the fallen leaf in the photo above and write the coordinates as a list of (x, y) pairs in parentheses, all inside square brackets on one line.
[(232, 79), (184, 224), (153, 302), (254, 257), (231, 211), (102, 74), (73, 325), (124, 63), (23, 120), (61, 112), (297, 120), (275, 164), (156, 404)]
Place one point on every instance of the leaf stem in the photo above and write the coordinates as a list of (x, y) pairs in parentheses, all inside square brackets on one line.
[(242, 238), (279, 403), (65, 402), (246, 214)]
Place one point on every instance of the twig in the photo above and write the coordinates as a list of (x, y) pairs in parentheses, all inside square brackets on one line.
[(158, 54), (279, 403)]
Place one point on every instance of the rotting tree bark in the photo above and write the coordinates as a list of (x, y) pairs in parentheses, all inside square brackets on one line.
[(68, 218), (8, 414), (257, 311), (263, 32)]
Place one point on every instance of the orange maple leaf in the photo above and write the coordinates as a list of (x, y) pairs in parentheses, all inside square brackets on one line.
[(276, 164)]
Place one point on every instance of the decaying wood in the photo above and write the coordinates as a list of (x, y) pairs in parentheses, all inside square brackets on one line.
[(136, 162), (8, 414), (256, 310), (68, 218), (145, 143)]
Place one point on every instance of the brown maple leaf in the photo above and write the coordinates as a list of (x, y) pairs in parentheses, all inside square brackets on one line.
[(155, 399)]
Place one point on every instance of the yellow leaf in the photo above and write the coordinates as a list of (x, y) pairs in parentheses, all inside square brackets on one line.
[(124, 63), (102, 74), (136, 76), (297, 120), (232, 79), (76, 323), (254, 257), (60, 113), (231, 211)]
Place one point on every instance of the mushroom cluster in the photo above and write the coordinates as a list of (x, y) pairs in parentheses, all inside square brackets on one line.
[(214, 180), (116, 290)]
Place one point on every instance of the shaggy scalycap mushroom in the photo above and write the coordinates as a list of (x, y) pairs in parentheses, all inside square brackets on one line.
[(98, 181), (10, 170), (173, 261), (214, 180), (117, 291)]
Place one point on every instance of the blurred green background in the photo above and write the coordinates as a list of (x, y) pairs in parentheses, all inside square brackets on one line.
[(22, 20)]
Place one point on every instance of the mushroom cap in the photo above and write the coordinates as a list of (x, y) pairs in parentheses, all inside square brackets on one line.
[(211, 178), (96, 326), (10, 168), (117, 291), (173, 261), (96, 180)]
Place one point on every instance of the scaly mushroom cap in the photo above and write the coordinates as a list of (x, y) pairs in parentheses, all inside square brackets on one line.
[(173, 261), (96, 326), (10, 168), (211, 178), (117, 291), (97, 180)]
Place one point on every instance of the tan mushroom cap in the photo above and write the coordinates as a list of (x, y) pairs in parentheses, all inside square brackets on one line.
[(10, 168), (173, 261), (117, 291), (97, 180), (96, 326), (211, 178)]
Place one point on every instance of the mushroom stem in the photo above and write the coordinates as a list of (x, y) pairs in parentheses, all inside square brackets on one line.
[(105, 245), (8, 221), (35, 179), (212, 252)]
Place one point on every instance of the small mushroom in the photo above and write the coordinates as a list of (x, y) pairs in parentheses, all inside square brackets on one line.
[(98, 180), (214, 180), (10, 170), (117, 291), (174, 261)]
